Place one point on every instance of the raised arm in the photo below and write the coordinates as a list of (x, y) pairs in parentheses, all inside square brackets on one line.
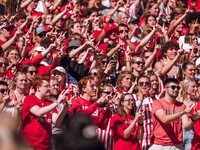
[(25, 4)]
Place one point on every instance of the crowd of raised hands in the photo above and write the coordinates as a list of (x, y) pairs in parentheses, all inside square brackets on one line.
[(132, 66)]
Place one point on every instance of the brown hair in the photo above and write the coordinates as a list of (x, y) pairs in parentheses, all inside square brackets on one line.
[(120, 78), (121, 110)]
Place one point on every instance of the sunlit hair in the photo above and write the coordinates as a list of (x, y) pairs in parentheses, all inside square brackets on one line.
[(10, 49), (83, 82), (148, 7), (120, 78), (26, 67), (38, 81), (100, 74), (121, 110), (119, 17), (184, 87)]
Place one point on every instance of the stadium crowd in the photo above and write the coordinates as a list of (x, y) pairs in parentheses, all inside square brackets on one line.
[(132, 66)]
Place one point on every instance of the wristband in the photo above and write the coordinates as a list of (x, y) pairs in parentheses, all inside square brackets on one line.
[(193, 120), (140, 124)]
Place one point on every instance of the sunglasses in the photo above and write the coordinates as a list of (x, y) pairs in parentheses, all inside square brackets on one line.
[(104, 62), (9, 29), (2, 91), (107, 92), (173, 87), (122, 31), (31, 72), (144, 83), (139, 62), (1, 64), (129, 100), (95, 74)]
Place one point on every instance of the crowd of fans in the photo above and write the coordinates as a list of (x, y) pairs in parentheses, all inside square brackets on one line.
[(132, 66)]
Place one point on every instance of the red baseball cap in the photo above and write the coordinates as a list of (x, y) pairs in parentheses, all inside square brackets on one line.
[(109, 27), (6, 25), (48, 27)]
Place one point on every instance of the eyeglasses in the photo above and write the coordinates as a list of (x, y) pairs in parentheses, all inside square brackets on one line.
[(1, 64), (139, 62), (41, 35), (107, 92), (104, 62), (122, 31), (173, 87), (32, 72), (2, 91), (95, 74), (144, 83), (129, 100)]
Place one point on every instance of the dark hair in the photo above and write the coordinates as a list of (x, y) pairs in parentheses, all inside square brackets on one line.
[(122, 25), (102, 87), (3, 83), (185, 65), (192, 17), (20, 15), (142, 77), (91, 10), (167, 45), (188, 37), (45, 42), (170, 80), (26, 67), (147, 17), (79, 136)]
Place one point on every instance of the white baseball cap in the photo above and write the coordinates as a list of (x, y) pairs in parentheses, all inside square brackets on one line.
[(197, 62), (39, 49), (60, 69)]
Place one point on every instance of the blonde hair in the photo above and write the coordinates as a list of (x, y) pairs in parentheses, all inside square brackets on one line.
[(184, 87), (119, 17)]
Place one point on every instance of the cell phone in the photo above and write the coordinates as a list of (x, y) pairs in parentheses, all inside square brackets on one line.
[(112, 59)]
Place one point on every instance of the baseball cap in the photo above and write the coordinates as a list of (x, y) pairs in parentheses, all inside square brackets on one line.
[(133, 19), (73, 43), (39, 49), (6, 25), (60, 69), (109, 27), (197, 63), (161, 21), (39, 30), (48, 27)]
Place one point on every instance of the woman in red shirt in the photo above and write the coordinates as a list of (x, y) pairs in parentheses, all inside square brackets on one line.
[(127, 124)]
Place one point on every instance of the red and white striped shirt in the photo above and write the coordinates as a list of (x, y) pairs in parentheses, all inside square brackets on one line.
[(148, 121)]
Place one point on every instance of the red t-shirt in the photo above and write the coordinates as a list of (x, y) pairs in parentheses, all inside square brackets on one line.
[(36, 130), (196, 139), (99, 116), (119, 126), (171, 133)]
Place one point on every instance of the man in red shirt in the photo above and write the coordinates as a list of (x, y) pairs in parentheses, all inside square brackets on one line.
[(5, 32), (169, 116), (85, 104), (38, 113)]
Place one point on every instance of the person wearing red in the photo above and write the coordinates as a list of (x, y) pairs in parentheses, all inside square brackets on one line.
[(196, 139), (84, 103), (169, 117), (38, 113), (127, 124)]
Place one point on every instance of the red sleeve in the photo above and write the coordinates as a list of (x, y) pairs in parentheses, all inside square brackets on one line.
[(45, 70), (104, 116), (29, 102), (118, 126), (34, 60), (198, 106), (156, 106), (77, 108)]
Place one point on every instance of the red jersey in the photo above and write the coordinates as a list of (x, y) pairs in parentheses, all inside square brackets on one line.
[(119, 126), (99, 116), (171, 133), (196, 139), (36, 130)]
